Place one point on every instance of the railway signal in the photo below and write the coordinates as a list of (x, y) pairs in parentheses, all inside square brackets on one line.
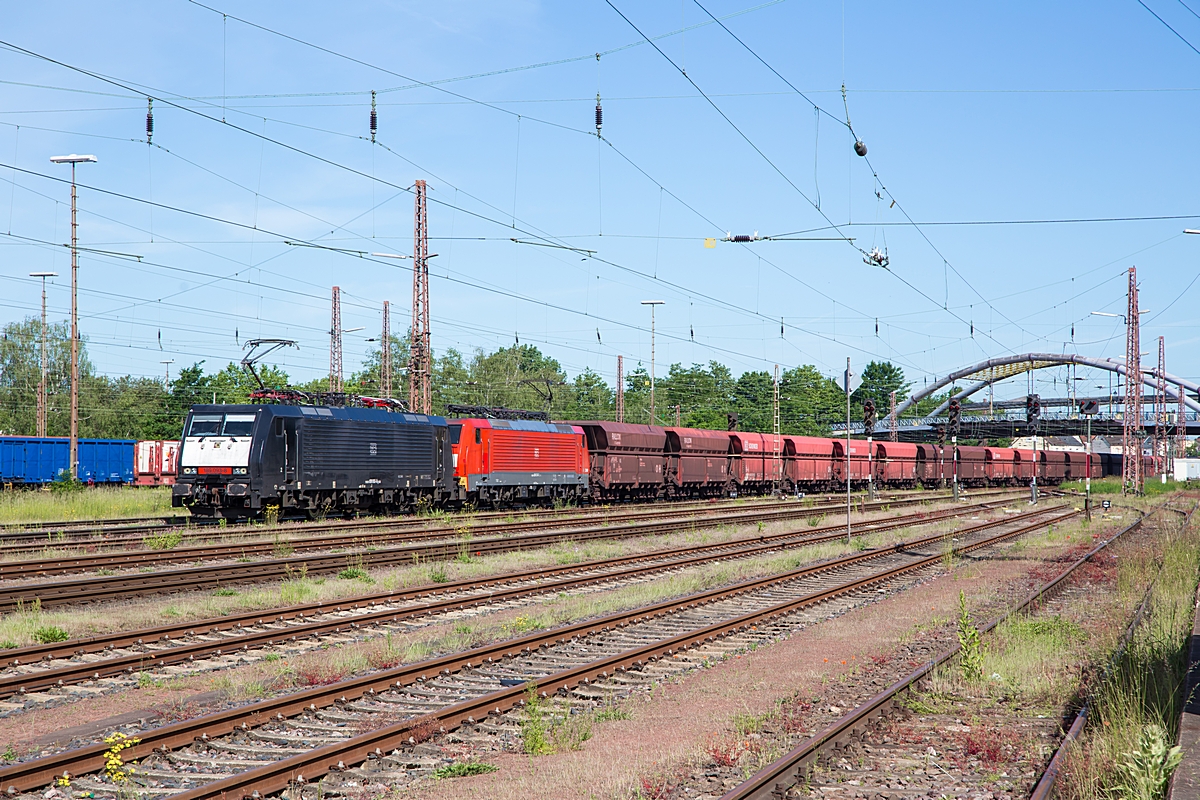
[(1033, 408), (941, 435), (954, 416), (869, 417), (1089, 408)]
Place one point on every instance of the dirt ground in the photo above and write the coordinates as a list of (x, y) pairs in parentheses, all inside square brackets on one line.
[(670, 726)]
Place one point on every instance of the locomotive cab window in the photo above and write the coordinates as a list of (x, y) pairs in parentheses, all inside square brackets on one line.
[(279, 426), (478, 436), (238, 425), (455, 433), (205, 425)]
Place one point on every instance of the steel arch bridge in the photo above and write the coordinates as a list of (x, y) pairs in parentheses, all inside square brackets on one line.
[(986, 373), (994, 370)]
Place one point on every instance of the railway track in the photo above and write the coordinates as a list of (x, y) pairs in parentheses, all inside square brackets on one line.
[(60, 664), (299, 738), (793, 769), (1046, 785), (203, 526), (17, 538), (247, 569)]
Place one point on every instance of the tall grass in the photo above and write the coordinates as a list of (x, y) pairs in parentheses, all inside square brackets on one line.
[(1112, 485), (101, 502), (1145, 687)]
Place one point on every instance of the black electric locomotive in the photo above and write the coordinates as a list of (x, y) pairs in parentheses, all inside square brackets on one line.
[(237, 460)]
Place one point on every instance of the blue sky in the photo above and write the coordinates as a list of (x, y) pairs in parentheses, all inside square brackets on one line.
[(1025, 111)]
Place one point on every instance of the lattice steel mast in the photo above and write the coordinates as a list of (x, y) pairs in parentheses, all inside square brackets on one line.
[(620, 388), (385, 355), (335, 343), (419, 364), (1131, 446), (776, 442)]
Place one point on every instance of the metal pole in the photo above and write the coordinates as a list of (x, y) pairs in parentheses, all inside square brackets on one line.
[(847, 388), (652, 365), (954, 466), (1087, 494), (1033, 494), (870, 468), (41, 423), (652, 304), (74, 334)]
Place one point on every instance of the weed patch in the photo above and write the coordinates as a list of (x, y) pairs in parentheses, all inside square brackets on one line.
[(463, 769)]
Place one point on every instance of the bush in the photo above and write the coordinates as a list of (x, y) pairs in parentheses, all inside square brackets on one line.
[(355, 574), (167, 540), (463, 769), (49, 634)]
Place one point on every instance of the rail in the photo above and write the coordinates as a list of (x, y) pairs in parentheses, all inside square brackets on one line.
[(776, 778), (211, 576), (166, 652), (319, 761)]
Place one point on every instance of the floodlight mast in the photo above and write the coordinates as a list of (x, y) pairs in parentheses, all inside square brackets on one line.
[(74, 159)]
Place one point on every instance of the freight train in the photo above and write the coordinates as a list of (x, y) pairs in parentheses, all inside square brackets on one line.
[(235, 461), (32, 462)]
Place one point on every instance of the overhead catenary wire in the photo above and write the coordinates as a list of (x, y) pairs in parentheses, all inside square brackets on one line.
[(861, 150)]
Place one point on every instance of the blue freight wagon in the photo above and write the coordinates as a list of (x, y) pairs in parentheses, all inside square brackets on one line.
[(30, 461)]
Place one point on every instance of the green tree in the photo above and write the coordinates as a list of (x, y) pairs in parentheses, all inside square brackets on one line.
[(809, 402), (518, 377), (879, 380), (21, 371), (234, 383), (590, 397)]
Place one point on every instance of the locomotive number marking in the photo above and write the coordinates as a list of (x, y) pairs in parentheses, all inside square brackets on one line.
[(374, 449), (537, 452)]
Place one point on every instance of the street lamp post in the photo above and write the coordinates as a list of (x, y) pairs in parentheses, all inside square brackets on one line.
[(41, 400), (73, 160), (652, 304)]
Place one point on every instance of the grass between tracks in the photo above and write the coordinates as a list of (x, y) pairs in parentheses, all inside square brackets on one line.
[(473, 629), (1118, 755), (277, 672), (1038, 662), (323, 665), (101, 502), (357, 579)]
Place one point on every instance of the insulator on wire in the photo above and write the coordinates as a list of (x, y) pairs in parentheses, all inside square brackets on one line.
[(859, 147), (149, 119), (599, 114), (374, 117)]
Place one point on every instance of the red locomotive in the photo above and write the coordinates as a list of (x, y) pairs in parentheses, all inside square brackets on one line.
[(518, 461)]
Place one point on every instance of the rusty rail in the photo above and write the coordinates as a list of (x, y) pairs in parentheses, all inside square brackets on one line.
[(669, 559), (39, 772), (216, 575), (787, 771)]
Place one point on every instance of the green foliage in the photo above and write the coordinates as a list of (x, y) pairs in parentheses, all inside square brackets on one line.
[(167, 540), (535, 729), (1147, 768), (48, 634), (462, 769), (612, 714), (355, 574), (971, 661), (520, 376)]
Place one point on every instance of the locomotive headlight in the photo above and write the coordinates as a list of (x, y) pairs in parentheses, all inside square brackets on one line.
[(240, 470), (189, 470)]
